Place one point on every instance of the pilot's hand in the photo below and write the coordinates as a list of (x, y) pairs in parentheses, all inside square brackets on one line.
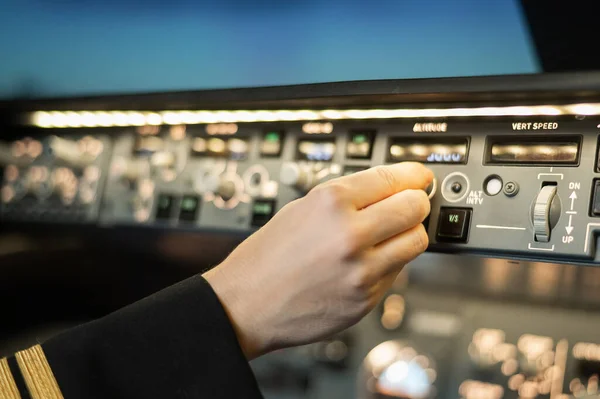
[(325, 260)]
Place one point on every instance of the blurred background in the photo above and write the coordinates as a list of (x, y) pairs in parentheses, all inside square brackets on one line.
[(57, 48)]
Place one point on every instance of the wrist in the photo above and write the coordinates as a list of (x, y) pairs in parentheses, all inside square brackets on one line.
[(243, 314)]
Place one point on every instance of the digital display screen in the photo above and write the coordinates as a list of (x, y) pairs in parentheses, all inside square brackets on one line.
[(231, 148), (313, 150), (360, 145), (271, 144), (533, 151), (429, 150), (148, 145)]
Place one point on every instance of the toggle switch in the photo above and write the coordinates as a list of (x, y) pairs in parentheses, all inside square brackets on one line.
[(545, 213)]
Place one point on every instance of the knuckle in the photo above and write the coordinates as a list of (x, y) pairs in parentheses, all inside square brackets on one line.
[(420, 239), (331, 195), (367, 304), (387, 176), (413, 168), (418, 203), (419, 174), (360, 281), (351, 240)]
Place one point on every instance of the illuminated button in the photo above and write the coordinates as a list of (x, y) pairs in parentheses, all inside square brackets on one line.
[(262, 211), (453, 224), (493, 185), (271, 144), (315, 150), (164, 206), (216, 146), (360, 145), (189, 208), (238, 149), (199, 146)]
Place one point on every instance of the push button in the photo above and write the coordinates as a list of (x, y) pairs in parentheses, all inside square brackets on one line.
[(188, 211), (164, 206), (454, 224), (271, 144), (596, 199), (360, 145), (262, 211)]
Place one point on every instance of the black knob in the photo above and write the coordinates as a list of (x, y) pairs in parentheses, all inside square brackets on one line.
[(456, 187)]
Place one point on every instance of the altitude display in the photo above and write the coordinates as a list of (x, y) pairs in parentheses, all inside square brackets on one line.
[(428, 150)]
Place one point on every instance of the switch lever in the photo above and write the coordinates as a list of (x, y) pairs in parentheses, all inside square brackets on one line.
[(544, 213)]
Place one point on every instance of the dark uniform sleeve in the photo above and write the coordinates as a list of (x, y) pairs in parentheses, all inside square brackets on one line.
[(178, 343)]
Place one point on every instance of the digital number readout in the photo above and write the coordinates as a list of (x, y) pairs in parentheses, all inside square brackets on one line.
[(217, 147), (313, 150), (148, 145), (428, 150)]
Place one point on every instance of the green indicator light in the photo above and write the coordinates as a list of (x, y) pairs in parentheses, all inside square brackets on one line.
[(262, 208), (359, 138), (453, 218), (164, 202), (188, 204), (272, 136)]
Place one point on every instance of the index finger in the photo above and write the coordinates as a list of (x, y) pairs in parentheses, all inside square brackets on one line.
[(375, 184)]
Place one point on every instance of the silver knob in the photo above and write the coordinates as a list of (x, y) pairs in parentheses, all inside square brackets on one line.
[(543, 212), (226, 190), (222, 186), (298, 176)]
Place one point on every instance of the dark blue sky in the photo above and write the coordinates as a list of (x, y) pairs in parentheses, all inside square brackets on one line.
[(62, 47)]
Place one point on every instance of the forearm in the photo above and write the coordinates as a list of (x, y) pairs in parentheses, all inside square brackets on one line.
[(176, 343)]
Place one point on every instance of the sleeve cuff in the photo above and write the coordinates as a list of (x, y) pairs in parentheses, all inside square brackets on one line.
[(178, 343)]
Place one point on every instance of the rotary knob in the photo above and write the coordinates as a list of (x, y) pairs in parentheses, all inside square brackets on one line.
[(226, 190), (545, 213), (297, 176), (224, 186)]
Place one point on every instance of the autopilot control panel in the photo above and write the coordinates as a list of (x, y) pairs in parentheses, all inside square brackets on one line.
[(511, 180)]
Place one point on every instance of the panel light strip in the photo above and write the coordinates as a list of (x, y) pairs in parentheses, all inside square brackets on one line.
[(75, 119)]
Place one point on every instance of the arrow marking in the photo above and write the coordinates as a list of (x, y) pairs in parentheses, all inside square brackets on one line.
[(569, 228), (573, 197)]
